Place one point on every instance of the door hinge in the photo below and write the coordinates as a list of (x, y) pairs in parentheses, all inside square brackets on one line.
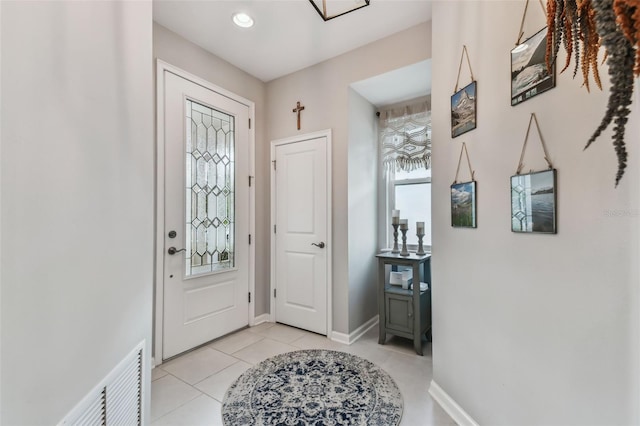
[(274, 164), (249, 123), (274, 229), (250, 180), (249, 297), (249, 239), (275, 290)]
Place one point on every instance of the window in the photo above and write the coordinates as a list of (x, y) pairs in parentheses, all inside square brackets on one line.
[(411, 194), (405, 140)]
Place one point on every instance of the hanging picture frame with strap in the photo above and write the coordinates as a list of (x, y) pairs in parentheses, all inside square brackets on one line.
[(463, 102), (533, 194), (529, 73), (463, 197)]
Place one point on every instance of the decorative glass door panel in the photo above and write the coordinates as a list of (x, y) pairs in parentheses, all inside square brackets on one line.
[(209, 190)]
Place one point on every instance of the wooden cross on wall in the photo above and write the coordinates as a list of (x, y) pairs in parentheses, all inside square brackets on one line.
[(297, 109)]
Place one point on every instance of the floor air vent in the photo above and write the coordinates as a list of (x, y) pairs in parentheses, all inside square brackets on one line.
[(117, 400)]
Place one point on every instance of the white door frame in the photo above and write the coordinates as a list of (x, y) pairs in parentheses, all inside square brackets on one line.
[(291, 140), (161, 67)]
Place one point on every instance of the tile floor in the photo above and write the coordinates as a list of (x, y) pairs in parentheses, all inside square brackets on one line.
[(189, 390)]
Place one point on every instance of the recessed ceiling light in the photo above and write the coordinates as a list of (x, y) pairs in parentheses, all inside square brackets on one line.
[(243, 20)]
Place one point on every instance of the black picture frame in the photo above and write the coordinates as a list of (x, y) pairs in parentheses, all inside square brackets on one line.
[(533, 202), (464, 109), (463, 205), (529, 74)]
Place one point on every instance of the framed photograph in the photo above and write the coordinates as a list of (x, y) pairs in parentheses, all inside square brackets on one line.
[(529, 75), (463, 110), (463, 205), (533, 202)]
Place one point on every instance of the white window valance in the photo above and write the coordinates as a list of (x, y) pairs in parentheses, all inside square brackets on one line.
[(405, 137)]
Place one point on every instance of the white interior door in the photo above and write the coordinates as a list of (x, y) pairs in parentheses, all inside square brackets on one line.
[(301, 234), (206, 210)]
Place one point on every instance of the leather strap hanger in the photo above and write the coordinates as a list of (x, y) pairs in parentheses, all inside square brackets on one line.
[(521, 33), (464, 149), (524, 146), (464, 52)]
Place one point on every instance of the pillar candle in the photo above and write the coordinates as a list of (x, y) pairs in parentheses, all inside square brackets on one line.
[(420, 227), (404, 224), (395, 217)]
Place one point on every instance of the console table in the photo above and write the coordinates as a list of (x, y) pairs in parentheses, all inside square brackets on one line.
[(405, 313)]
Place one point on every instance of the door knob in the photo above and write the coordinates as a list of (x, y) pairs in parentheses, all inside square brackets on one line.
[(173, 250), (321, 245)]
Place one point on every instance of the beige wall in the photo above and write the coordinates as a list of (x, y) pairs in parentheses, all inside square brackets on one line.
[(324, 91), (172, 48), (77, 200), (363, 210), (532, 329)]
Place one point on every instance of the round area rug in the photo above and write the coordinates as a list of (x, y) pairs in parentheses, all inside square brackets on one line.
[(313, 388)]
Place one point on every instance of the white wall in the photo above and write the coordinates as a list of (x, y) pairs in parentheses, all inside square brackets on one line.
[(532, 329), (77, 199), (324, 91), (363, 209), (174, 49), (0, 217)]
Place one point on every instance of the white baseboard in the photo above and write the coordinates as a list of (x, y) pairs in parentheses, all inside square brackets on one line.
[(340, 337), (348, 339), (450, 406), (261, 318)]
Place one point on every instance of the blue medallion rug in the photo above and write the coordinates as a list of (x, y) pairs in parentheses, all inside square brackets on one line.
[(313, 388)]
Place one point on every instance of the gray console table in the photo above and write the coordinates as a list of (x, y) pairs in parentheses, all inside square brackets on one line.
[(405, 313)]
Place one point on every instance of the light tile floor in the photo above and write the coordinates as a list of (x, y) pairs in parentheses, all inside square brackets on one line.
[(188, 390)]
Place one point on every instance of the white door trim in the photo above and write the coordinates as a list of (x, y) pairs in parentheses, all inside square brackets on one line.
[(285, 141), (161, 67)]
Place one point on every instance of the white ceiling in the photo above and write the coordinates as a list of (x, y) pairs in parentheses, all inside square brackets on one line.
[(398, 85), (288, 35)]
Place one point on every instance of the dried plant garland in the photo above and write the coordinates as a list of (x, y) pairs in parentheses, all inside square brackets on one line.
[(572, 24), (590, 43), (628, 14), (621, 60), (582, 26)]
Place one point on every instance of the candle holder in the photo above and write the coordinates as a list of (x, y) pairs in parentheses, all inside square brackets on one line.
[(404, 251), (395, 238), (420, 247)]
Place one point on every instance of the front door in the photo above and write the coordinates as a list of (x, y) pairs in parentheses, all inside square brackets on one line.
[(301, 234), (206, 210)]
